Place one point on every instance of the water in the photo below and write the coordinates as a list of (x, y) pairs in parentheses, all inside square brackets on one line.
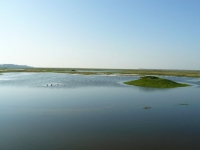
[(96, 112)]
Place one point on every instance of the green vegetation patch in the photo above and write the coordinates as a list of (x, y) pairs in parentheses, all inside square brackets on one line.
[(155, 82), (147, 107), (183, 104)]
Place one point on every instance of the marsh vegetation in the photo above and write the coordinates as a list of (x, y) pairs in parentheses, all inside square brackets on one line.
[(155, 82), (129, 72)]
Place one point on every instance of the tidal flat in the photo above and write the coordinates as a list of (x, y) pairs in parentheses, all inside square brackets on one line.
[(127, 72), (96, 112)]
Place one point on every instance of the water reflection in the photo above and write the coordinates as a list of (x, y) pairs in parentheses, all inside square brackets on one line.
[(146, 89), (108, 115)]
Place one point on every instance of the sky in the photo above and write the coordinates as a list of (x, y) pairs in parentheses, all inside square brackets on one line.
[(124, 34)]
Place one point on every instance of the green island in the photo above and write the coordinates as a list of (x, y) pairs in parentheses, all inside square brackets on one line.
[(155, 82)]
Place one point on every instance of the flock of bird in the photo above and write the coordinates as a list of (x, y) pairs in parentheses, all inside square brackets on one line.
[(53, 84)]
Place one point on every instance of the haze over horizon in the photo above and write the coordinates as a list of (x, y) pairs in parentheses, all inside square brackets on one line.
[(128, 34)]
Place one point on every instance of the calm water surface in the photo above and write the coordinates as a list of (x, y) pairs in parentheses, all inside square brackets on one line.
[(96, 113)]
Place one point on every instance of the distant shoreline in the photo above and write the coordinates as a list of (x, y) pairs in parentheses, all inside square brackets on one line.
[(127, 72)]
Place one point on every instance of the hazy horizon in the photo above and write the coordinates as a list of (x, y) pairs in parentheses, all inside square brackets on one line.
[(112, 34)]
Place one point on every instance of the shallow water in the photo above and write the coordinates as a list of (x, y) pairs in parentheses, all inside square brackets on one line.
[(95, 113)]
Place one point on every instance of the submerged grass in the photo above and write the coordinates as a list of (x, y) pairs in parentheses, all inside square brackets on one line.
[(183, 104), (155, 82), (147, 107)]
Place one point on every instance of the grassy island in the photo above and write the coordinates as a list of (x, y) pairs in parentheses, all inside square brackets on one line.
[(155, 82)]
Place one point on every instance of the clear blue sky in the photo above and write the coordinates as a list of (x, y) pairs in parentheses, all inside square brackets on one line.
[(131, 34)]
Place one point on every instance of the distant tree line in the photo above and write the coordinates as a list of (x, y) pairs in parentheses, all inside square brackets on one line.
[(13, 66)]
